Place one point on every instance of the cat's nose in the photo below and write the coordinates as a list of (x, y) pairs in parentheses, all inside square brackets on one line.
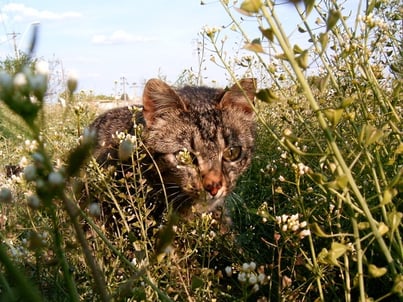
[(213, 188), (212, 182)]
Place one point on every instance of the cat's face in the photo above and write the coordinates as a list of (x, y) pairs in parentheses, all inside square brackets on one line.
[(201, 139)]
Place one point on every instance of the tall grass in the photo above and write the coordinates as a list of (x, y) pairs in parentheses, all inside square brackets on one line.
[(334, 122), (316, 218)]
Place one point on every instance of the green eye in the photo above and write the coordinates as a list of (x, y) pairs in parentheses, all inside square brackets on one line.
[(232, 153)]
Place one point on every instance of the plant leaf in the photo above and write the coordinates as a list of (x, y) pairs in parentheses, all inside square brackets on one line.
[(266, 95), (255, 46), (308, 6), (333, 115), (370, 134), (251, 6), (197, 282), (297, 49), (301, 29), (315, 228), (302, 60), (395, 219), (267, 32), (333, 18), (375, 271), (323, 39)]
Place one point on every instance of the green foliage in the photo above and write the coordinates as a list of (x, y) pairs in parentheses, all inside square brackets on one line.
[(328, 153), (318, 217)]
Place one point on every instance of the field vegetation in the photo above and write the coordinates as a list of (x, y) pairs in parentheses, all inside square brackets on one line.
[(318, 216)]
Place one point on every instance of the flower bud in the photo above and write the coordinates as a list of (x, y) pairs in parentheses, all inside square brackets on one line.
[(72, 82), (56, 179), (94, 209), (33, 201), (30, 172), (228, 271), (20, 80), (5, 195), (42, 67)]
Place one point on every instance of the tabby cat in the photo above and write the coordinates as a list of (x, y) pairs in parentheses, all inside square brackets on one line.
[(200, 140)]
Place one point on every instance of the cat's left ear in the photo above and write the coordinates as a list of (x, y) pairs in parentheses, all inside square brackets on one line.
[(240, 95)]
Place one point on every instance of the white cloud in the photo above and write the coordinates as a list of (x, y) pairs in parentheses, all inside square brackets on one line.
[(119, 37), (21, 12)]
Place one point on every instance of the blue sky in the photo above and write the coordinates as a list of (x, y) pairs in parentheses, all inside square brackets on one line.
[(102, 41)]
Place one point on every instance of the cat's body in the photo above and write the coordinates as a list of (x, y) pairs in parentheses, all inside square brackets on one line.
[(201, 139)]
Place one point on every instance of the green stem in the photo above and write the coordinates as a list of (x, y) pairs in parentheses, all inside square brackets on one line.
[(97, 274), (360, 255), (137, 273), (58, 242), (26, 291), (316, 268)]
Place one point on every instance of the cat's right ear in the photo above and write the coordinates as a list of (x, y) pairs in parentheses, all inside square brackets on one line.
[(158, 98), (240, 96)]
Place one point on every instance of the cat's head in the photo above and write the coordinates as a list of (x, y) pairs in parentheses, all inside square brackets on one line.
[(201, 139)]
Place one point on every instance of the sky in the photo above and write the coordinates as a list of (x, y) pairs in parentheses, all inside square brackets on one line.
[(102, 41)]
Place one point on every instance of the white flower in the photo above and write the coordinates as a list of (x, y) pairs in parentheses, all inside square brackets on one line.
[(72, 81), (30, 172), (5, 195), (56, 179), (42, 67), (31, 145), (287, 132), (252, 266), (242, 277), (261, 278), (20, 80), (94, 209), (294, 227), (245, 267), (252, 279), (304, 233), (23, 162), (210, 31), (294, 217), (228, 271), (33, 201)]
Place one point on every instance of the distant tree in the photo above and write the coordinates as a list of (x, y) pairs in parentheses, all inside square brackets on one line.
[(12, 64)]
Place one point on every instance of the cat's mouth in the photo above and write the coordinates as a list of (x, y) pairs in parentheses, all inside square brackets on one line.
[(206, 202)]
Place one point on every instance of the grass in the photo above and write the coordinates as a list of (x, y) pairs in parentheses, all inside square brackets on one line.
[(317, 217)]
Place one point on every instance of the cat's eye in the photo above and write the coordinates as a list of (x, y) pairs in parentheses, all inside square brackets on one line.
[(232, 153), (184, 157)]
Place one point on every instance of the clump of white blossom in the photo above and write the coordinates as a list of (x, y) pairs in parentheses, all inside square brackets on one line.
[(373, 21), (291, 223), (210, 31), (249, 274)]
